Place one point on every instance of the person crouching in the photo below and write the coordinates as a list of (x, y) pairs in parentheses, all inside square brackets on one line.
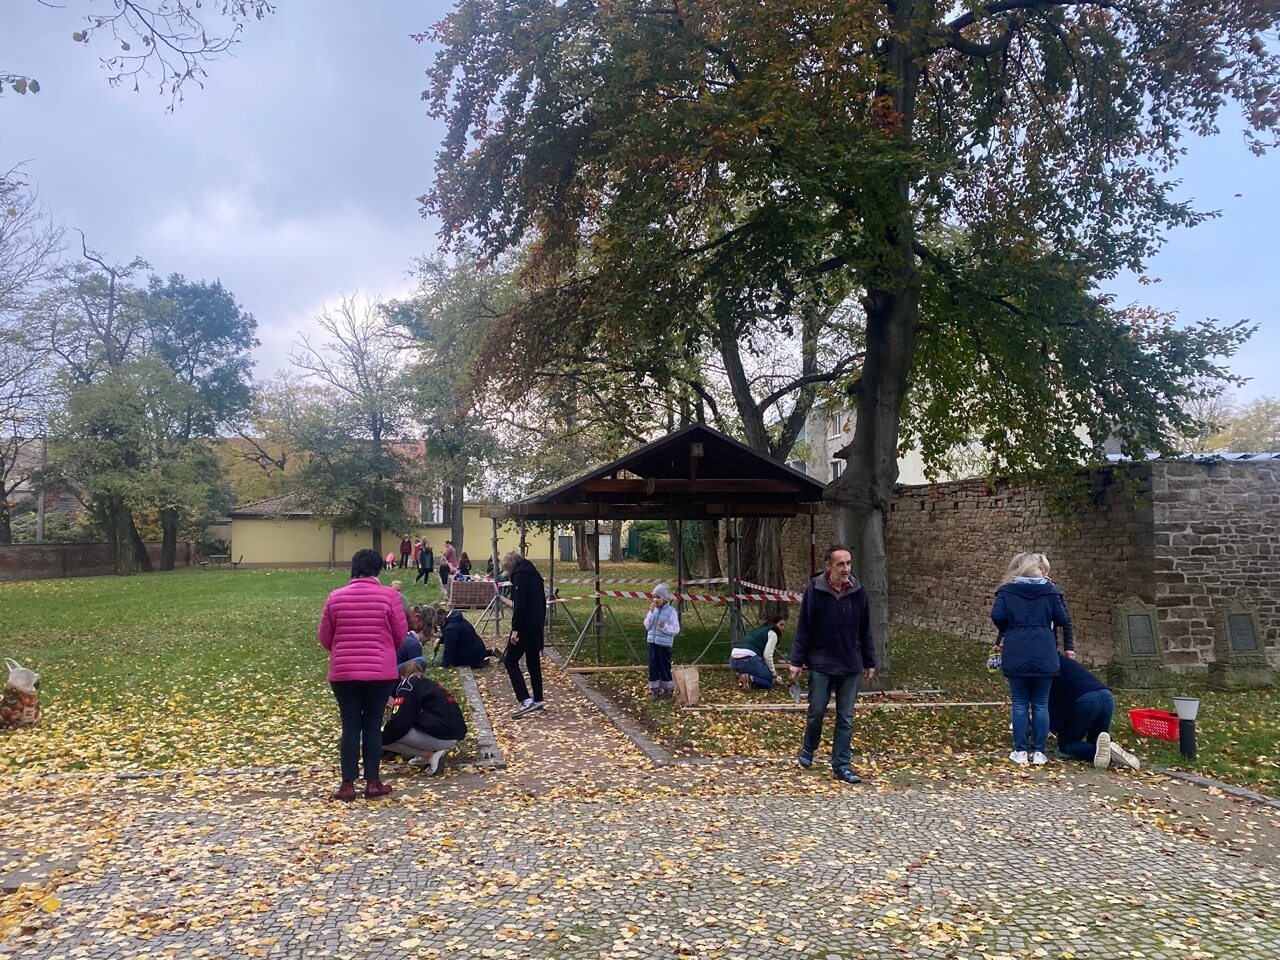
[(426, 721)]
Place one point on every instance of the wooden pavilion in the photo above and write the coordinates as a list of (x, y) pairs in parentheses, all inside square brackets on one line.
[(696, 473)]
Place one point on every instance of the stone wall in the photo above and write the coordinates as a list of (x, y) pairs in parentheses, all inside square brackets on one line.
[(949, 544), (44, 561), (1197, 535), (1217, 539)]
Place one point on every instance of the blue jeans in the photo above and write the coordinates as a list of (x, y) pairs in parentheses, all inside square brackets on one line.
[(1089, 716), (821, 686), (756, 669), (1030, 692)]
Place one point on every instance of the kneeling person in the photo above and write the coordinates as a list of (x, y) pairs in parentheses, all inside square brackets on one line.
[(1080, 709), (426, 721), (752, 658)]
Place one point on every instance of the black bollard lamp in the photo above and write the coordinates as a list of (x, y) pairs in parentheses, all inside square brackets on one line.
[(1187, 709)]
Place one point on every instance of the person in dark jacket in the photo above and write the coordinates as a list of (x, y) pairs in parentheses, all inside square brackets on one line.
[(528, 612), (461, 645), (752, 656), (833, 640), (406, 548), (411, 648), (425, 563), (426, 721), (1028, 608), (1080, 709)]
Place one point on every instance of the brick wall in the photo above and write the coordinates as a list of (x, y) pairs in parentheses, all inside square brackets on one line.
[(44, 561), (1199, 534), (949, 544), (1217, 538)]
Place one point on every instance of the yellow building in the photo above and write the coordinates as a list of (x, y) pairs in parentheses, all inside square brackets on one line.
[(271, 533)]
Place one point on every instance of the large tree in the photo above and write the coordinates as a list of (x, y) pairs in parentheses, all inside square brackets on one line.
[(971, 173), (354, 471), (199, 333)]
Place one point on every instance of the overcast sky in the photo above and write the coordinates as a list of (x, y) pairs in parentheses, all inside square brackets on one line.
[(293, 175)]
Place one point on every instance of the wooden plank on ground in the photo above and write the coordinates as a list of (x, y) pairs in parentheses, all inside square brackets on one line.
[(801, 708)]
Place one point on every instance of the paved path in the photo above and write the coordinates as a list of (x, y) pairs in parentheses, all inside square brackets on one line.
[(584, 848)]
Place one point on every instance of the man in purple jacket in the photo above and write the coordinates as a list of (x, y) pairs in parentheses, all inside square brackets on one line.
[(833, 639)]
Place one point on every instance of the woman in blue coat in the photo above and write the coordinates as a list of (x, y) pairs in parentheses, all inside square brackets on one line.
[(1027, 609)]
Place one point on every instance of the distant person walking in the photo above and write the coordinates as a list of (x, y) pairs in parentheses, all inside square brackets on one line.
[(1027, 609), (406, 548), (833, 640), (424, 562), (362, 625), (528, 613)]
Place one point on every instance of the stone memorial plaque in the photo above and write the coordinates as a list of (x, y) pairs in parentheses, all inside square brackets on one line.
[(1240, 630), (1142, 638)]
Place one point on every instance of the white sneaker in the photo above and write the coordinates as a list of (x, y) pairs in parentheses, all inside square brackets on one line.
[(524, 708), (1019, 757), (1102, 751), (1120, 755), (1039, 759)]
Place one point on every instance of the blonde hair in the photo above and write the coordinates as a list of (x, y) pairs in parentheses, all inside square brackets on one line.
[(1026, 565), (397, 585)]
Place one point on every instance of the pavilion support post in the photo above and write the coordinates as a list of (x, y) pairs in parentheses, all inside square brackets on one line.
[(551, 579), (813, 544), (524, 544), (733, 534), (680, 568), (598, 614), (499, 609)]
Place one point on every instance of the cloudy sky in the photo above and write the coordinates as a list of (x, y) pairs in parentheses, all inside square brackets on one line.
[(293, 175)]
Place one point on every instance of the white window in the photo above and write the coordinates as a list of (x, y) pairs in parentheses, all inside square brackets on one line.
[(837, 468), (432, 512), (835, 428)]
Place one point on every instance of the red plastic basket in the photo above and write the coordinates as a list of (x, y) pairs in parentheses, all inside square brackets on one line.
[(1154, 723)]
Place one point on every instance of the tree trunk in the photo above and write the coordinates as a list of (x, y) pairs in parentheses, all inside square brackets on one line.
[(139, 546), (456, 519), (580, 546), (862, 495), (119, 527), (615, 541), (710, 553), (6, 528), (168, 538)]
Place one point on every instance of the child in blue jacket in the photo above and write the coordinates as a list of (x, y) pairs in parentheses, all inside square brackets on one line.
[(662, 624)]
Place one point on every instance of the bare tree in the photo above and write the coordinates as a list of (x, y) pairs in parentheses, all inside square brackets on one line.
[(354, 473), (30, 243), (165, 41)]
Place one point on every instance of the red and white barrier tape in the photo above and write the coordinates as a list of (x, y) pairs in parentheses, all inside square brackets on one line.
[(687, 597), (641, 580)]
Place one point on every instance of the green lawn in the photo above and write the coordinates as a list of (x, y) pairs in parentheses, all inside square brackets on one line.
[(221, 668), (180, 670), (1239, 732)]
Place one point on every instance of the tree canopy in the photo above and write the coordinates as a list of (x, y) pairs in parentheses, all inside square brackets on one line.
[(968, 174)]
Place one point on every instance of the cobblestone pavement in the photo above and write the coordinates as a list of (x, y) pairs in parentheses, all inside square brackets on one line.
[(582, 848)]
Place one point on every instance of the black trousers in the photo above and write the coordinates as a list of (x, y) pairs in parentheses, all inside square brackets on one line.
[(361, 703), (533, 660)]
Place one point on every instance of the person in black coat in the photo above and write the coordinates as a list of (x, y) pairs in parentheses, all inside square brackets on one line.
[(461, 645), (1080, 709), (426, 721), (1028, 608), (528, 613)]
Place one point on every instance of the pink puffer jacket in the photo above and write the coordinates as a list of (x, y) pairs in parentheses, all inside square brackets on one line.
[(362, 625)]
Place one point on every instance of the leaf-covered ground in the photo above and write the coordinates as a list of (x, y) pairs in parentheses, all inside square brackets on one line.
[(194, 670), (1239, 731), (187, 670)]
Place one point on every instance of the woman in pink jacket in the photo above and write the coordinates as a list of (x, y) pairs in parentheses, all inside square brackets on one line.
[(361, 627)]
